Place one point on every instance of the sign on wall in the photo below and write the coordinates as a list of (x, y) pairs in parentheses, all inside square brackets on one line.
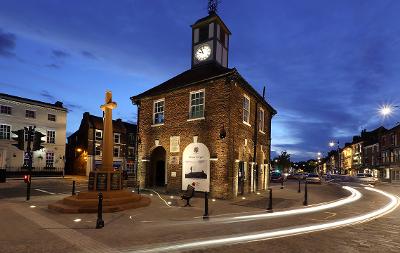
[(174, 159), (196, 167), (174, 142)]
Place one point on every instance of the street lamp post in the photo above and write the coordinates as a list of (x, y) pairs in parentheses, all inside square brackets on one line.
[(332, 144)]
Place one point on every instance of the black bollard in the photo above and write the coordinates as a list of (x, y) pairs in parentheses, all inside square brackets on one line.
[(73, 188), (205, 215), (28, 191), (305, 194), (138, 187), (282, 184), (269, 209), (100, 222), (299, 190)]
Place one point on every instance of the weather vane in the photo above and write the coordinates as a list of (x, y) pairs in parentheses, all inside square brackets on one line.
[(212, 6)]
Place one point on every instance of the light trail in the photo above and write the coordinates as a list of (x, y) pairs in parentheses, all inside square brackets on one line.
[(355, 195), (280, 233)]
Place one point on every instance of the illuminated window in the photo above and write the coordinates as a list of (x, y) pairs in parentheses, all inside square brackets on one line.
[(197, 104), (158, 112), (246, 110)]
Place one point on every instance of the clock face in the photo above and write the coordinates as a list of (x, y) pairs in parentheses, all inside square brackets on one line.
[(203, 52)]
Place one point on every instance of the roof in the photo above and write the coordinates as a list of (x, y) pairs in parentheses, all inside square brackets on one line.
[(208, 19), (118, 124), (199, 74), (191, 76), (57, 105)]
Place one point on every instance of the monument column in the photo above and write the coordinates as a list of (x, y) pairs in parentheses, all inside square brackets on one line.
[(108, 136)]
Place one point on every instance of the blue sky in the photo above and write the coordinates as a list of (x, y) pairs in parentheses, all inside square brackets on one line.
[(327, 65)]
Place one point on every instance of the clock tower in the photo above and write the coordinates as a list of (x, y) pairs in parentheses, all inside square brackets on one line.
[(210, 41)]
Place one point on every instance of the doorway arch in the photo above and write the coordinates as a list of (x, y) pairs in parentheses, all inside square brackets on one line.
[(157, 172)]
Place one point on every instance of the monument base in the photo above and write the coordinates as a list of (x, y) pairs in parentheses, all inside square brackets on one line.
[(87, 202)]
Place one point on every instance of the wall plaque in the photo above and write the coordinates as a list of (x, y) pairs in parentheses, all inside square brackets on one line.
[(174, 142), (101, 181), (174, 160), (115, 181)]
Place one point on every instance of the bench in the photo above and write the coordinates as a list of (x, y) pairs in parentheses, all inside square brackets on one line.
[(188, 194)]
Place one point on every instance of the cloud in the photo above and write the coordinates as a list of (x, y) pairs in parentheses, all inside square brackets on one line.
[(48, 96), (60, 54), (89, 55), (7, 44), (53, 65), (72, 107)]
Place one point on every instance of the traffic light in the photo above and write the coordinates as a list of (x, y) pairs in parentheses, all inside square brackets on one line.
[(27, 178), (20, 139), (37, 141)]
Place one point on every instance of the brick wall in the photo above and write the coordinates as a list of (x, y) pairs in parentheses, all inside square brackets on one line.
[(223, 109)]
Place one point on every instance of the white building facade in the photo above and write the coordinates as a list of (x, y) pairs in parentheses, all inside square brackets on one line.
[(49, 119)]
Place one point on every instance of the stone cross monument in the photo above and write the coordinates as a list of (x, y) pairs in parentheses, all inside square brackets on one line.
[(105, 179), (108, 136)]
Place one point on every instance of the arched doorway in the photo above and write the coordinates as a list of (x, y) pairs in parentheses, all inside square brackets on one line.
[(157, 172)]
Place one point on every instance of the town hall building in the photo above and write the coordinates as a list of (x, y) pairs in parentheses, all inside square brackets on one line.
[(206, 127)]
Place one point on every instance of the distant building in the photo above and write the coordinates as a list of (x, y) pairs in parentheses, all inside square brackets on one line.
[(49, 119), (371, 162), (346, 159), (85, 145), (390, 154), (207, 127)]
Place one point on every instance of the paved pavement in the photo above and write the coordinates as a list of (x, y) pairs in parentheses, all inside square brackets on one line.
[(37, 229)]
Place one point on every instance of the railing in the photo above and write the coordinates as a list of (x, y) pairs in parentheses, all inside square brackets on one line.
[(36, 171)]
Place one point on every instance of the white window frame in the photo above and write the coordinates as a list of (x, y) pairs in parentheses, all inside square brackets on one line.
[(119, 138), (154, 113), (119, 151), (95, 134), (49, 154), (9, 134), (261, 130), (34, 114), (249, 110), (50, 138), (190, 104), (11, 110)]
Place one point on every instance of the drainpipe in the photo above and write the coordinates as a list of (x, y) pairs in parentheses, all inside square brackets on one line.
[(137, 142)]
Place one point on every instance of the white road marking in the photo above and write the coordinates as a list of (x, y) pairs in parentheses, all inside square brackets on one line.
[(166, 203), (40, 190)]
